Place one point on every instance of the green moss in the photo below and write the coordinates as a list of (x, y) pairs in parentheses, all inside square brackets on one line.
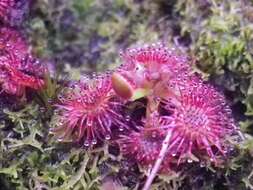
[(82, 36)]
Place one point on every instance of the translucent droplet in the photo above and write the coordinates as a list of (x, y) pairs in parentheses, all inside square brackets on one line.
[(157, 99), (121, 53), (42, 109), (94, 141), (173, 154), (60, 139), (51, 131), (89, 122), (189, 160), (94, 74), (86, 143), (128, 118), (121, 129), (84, 78), (107, 137)]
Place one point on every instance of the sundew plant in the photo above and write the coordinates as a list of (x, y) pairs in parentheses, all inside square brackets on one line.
[(124, 94)]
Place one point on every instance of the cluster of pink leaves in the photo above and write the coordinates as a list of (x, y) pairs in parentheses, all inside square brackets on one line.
[(19, 70), (177, 100)]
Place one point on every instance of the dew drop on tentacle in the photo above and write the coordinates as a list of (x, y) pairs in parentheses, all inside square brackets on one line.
[(202, 164), (107, 137), (94, 142), (90, 111), (86, 143)]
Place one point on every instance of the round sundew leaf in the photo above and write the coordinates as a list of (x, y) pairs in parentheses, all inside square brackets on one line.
[(87, 112)]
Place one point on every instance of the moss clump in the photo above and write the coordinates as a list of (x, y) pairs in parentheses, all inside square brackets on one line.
[(82, 36)]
